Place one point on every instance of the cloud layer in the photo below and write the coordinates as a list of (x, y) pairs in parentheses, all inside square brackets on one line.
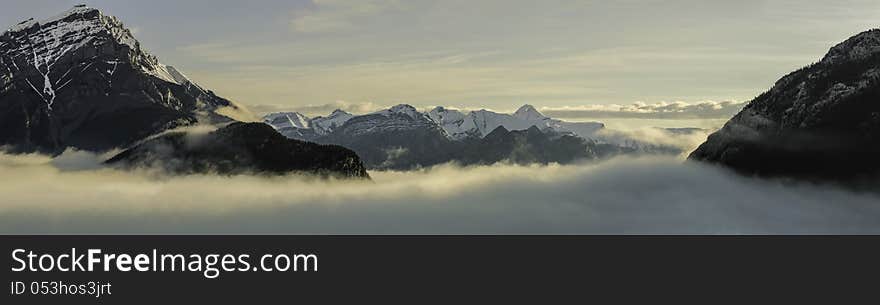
[(337, 15), (621, 196), (318, 110), (640, 110)]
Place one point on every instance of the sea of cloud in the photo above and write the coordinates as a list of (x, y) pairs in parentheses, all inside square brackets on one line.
[(74, 193)]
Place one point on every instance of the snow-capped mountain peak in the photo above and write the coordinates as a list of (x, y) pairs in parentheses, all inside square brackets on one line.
[(46, 41), (87, 69), (325, 125), (299, 120), (445, 116), (339, 112), (283, 120), (53, 37), (402, 109), (529, 113), (83, 32)]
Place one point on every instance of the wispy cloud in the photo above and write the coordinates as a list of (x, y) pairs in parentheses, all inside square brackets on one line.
[(336, 15), (554, 52), (496, 79), (320, 109)]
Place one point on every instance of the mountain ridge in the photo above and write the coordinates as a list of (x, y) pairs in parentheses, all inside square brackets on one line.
[(819, 122), (241, 148), (81, 80), (456, 124), (402, 138)]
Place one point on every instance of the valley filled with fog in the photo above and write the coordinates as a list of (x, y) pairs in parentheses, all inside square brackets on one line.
[(73, 193)]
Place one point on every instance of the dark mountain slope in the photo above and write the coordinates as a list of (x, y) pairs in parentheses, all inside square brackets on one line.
[(399, 138), (241, 148), (525, 147), (820, 122)]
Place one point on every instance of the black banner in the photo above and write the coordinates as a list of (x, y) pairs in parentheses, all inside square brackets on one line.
[(413, 269)]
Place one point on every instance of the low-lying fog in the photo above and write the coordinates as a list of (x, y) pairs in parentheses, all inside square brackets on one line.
[(73, 194)]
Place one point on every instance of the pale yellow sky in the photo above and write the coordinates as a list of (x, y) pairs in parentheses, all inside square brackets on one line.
[(495, 54)]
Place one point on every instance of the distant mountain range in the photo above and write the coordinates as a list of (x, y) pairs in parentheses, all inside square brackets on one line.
[(819, 122), (455, 124), (401, 137)]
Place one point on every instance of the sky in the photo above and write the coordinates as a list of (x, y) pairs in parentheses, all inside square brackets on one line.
[(495, 54)]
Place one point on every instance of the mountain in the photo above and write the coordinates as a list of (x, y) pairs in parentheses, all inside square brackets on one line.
[(481, 122), (525, 147), (451, 120), (454, 123), (528, 113), (403, 138), (241, 148), (400, 138), (292, 125), (295, 125), (326, 125), (81, 80), (819, 122), (283, 120)]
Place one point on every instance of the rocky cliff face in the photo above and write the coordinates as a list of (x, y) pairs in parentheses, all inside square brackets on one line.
[(822, 121), (82, 80)]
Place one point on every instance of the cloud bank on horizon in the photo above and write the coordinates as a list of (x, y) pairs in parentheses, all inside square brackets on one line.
[(73, 194), (641, 110)]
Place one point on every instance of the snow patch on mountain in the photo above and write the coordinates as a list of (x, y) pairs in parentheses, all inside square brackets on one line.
[(451, 121), (404, 109), (300, 126), (287, 120), (325, 125)]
